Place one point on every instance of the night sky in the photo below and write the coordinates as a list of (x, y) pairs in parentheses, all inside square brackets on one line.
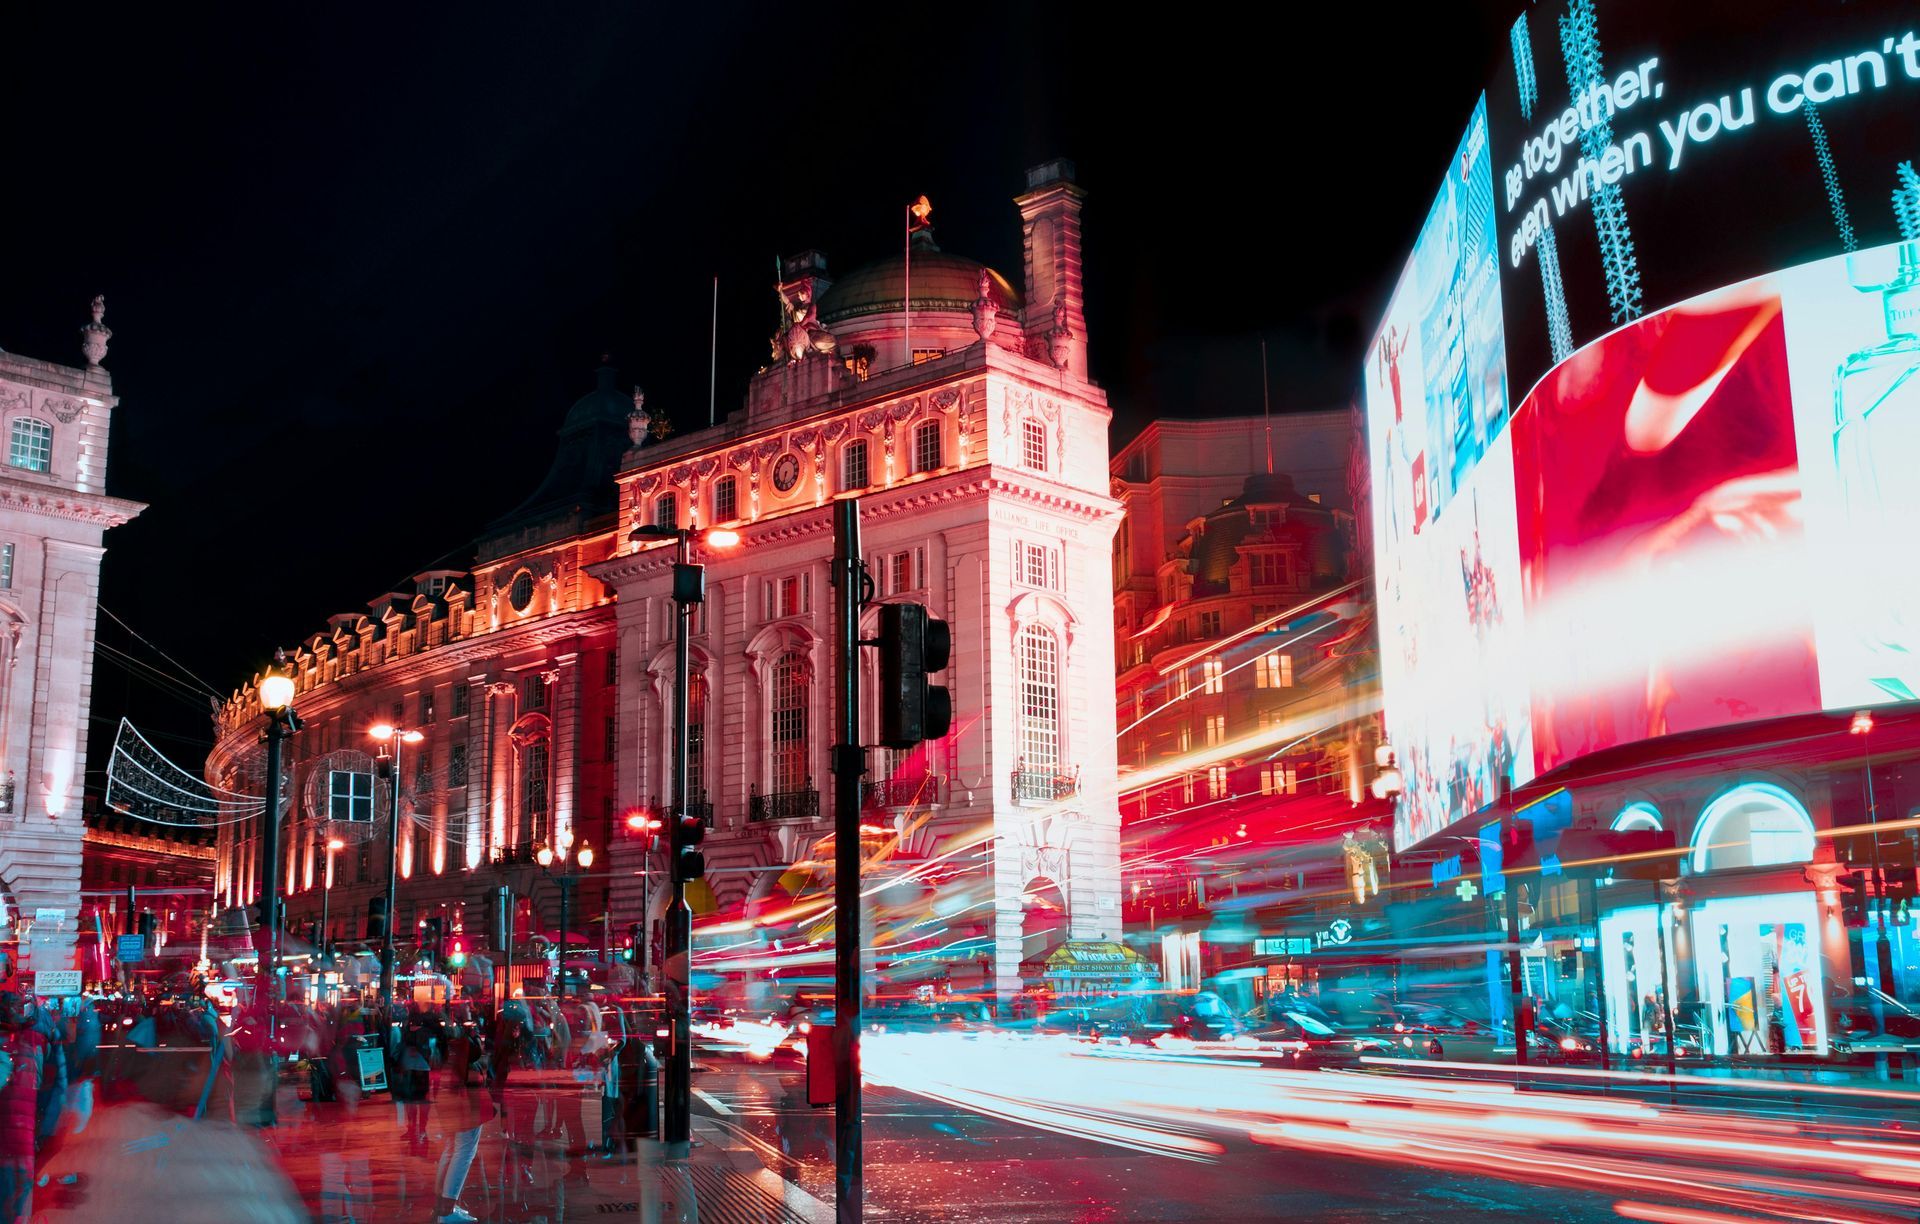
[(359, 263)]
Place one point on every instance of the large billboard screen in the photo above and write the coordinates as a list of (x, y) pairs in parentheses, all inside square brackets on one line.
[(1645, 405)]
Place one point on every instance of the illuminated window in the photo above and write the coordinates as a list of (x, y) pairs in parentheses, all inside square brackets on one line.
[(1274, 670), (788, 596), (666, 511), (32, 445), (1278, 780), (1216, 782), (520, 594), (426, 708), (1186, 788), (1212, 676), (725, 500), (791, 689), (6, 567), (853, 465), (926, 446), (1206, 625), (1269, 569), (859, 363), (1216, 730), (1180, 683), (1033, 444), (924, 355), (1037, 655)]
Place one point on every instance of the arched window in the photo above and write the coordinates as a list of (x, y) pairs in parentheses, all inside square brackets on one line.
[(853, 465), (1638, 816), (31, 446), (926, 446), (726, 503), (1755, 824), (1037, 656), (1033, 444), (792, 691), (666, 511)]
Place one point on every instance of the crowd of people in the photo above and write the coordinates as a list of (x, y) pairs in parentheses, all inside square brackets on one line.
[(445, 1059)]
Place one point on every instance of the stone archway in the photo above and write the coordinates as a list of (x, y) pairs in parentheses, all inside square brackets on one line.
[(1043, 917)]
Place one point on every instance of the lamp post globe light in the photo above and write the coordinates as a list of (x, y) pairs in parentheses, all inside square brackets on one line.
[(276, 702), (689, 588), (560, 863), (391, 739)]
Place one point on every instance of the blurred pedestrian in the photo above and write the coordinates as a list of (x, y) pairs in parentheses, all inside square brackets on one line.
[(24, 1044)]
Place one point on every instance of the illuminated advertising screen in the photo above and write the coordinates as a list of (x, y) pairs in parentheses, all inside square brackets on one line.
[(1644, 410)]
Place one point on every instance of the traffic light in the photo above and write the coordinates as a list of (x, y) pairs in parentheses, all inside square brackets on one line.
[(1853, 898), (1900, 884), (632, 948), (457, 956), (912, 643), (688, 861)]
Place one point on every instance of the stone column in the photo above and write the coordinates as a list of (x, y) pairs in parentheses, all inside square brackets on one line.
[(563, 704)]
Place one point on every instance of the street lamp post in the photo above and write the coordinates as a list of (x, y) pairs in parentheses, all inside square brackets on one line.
[(276, 701), (1862, 726), (566, 858), (689, 588), (391, 738)]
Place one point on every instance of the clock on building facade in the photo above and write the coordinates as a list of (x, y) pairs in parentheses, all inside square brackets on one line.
[(786, 473)]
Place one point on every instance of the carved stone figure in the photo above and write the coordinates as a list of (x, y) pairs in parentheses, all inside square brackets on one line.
[(94, 335), (801, 331), (986, 312), (1060, 339), (637, 419)]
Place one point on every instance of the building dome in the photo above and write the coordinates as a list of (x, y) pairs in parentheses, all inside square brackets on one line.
[(941, 281)]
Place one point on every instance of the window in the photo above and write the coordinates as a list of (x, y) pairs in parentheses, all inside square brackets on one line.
[(32, 445), (1216, 730), (610, 737), (1206, 625), (726, 501), (789, 596), (460, 698), (350, 796), (1036, 565), (906, 570), (6, 567), (520, 594), (426, 708), (423, 768), (1186, 788), (1216, 782), (853, 465), (666, 511), (1274, 670), (1033, 444), (533, 692), (1279, 780), (697, 740), (859, 363), (533, 796), (792, 689), (613, 667), (924, 355), (1037, 656), (1212, 676), (1269, 569), (926, 446), (1180, 683), (1260, 520), (456, 763), (399, 711)]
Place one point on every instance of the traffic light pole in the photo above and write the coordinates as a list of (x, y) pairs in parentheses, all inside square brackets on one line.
[(678, 1128), (848, 765)]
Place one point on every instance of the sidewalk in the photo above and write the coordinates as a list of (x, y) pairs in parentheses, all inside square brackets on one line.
[(351, 1162)]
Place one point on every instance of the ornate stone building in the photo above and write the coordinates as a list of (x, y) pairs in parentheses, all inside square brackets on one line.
[(977, 448), (54, 512), (507, 669)]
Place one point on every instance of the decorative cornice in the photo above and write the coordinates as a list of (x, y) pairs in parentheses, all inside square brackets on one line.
[(68, 504), (151, 845)]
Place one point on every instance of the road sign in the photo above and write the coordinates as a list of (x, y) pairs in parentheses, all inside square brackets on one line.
[(130, 949), (50, 983)]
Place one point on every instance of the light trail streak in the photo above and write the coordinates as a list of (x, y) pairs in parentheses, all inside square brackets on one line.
[(1191, 1105)]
